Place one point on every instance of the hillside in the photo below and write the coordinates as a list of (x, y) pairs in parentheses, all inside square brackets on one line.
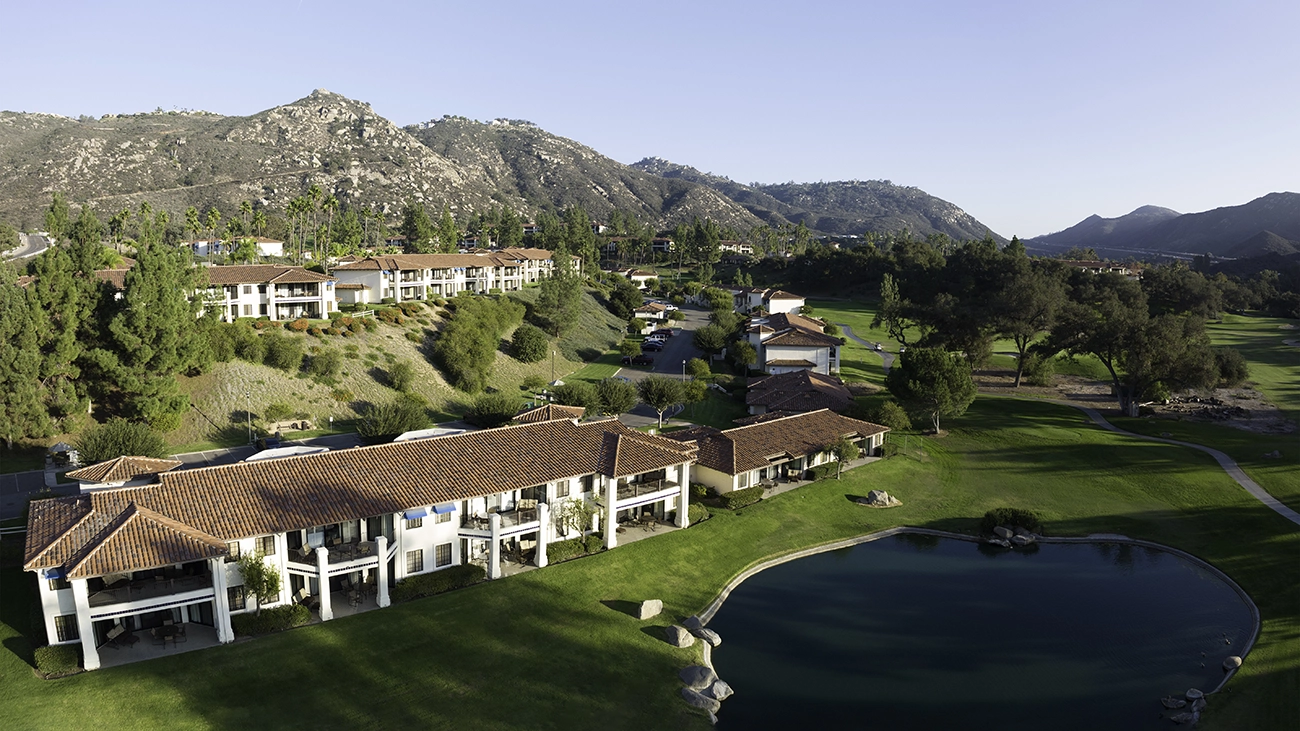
[(841, 208), (527, 162), (1217, 231), (1263, 243)]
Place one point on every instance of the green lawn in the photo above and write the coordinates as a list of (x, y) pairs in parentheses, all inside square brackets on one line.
[(716, 410), (599, 369), (22, 459), (552, 649), (1274, 366)]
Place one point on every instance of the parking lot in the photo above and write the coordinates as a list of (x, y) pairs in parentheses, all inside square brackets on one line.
[(677, 349)]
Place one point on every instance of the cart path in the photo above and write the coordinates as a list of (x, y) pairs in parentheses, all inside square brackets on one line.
[(887, 358)]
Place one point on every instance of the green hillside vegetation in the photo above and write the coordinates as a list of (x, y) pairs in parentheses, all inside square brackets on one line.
[(1049, 459)]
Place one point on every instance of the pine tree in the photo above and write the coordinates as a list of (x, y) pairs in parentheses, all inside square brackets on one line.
[(21, 412), (57, 217), (447, 233)]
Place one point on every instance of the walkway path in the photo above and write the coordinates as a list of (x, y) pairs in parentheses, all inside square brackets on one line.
[(888, 358), (1228, 464)]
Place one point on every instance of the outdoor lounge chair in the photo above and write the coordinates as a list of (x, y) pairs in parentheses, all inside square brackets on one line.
[(113, 634)]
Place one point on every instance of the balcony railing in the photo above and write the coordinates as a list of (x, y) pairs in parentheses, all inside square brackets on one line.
[(292, 292), (509, 519), (135, 591), (342, 553), (637, 489)]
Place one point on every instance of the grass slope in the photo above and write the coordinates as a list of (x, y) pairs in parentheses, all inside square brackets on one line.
[(551, 649)]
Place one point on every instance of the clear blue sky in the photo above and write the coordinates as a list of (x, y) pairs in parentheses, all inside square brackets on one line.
[(1029, 115)]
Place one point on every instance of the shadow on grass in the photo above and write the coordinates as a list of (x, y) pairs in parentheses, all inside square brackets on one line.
[(623, 606)]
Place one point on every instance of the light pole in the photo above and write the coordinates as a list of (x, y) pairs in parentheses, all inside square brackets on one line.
[(248, 413), (683, 371), (552, 366)]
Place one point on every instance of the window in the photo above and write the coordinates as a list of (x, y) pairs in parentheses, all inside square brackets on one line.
[(234, 311), (234, 552), (237, 597), (262, 309), (562, 488), (415, 561), (442, 555), (248, 310), (261, 289), (248, 289), (414, 523), (59, 584), (266, 544), (65, 627), (442, 518)]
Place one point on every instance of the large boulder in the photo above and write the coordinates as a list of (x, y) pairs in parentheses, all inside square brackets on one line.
[(1020, 540), (1193, 694), (698, 700), (719, 690), (697, 677), (708, 635), (1003, 533), (881, 499), (692, 623), (1232, 662), (649, 608), (678, 636)]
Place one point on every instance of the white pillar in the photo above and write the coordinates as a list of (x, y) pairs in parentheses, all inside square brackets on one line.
[(85, 627), (220, 600), (683, 497), (611, 512), (494, 549), (381, 580), (323, 576), (543, 531)]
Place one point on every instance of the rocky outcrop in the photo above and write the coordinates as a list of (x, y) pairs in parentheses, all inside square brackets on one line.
[(678, 636), (1003, 533), (649, 608), (692, 623)]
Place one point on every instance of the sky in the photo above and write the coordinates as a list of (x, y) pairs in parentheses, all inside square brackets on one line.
[(1028, 115)]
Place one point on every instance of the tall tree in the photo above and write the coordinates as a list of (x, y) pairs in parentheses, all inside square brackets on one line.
[(63, 298), (447, 233), (893, 312), (660, 393), (1026, 307), (510, 231), (417, 228), (22, 414), (931, 382), (559, 298), (1103, 316), (57, 217)]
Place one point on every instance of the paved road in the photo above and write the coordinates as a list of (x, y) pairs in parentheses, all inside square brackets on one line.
[(668, 362), (14, 489), (885, 357), (28, 245)]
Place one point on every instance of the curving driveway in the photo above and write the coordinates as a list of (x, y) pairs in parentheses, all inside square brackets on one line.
[(886, 358)]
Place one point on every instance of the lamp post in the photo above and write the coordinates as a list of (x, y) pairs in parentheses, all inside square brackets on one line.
[(552, 366), (248, 413), (683, 371)]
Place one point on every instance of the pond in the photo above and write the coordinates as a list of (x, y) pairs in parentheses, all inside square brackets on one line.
[(921, 632)]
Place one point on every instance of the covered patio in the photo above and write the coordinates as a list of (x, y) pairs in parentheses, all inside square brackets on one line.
[(195, 637)]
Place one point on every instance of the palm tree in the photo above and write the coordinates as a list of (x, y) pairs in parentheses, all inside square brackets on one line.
[(245, 209), (259, 221), (330, 205)]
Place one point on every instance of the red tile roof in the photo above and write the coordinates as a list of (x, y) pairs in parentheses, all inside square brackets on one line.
[(122, 469), (549, 412), (798, 391), (749, 447)]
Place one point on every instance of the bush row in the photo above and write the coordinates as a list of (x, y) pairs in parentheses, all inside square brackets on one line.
[(274, 619), (574, 548), (437, 582), (737, 499)]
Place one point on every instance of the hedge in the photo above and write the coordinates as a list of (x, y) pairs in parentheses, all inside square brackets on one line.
[(737, 499), (696, 513), (1014, 517), (53, 661), (822, 471), (437, 582), (274, 619), (565, 550), (700, 491)]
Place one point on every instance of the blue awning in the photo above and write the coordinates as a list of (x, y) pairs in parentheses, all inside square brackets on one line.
[(414, 513), (444, 508), (54, 573)]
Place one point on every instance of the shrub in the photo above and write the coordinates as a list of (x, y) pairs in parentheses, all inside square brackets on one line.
[(578, 393), (493, 409), (1039, 371), (283, 353), (299, 325), (370, 324), (341, 395), (248, 345), (594, 543), (822, 471), (700, 491), (56, 660), (529, 344), (565, 550), (1014, 517), (738, 499), (278, 411), (401, 376), (327, 364), (314, 331), (467, 347), (1233, 370), (534, 382), (437, 582), (385, 421), (698, 368), (696, 513), (415, 336), (118, 437), (388, 301), (274, 619), (892, 415), (392, 317)]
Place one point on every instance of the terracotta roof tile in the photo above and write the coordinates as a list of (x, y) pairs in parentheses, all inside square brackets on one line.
[(798, 391), (549, 412), (745, 448), (139, 538), (123, 469), (262, 274)]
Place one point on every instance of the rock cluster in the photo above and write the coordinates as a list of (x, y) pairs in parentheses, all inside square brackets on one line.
[(702, 687), (1193, 700), (1008, 537), (879, 499)]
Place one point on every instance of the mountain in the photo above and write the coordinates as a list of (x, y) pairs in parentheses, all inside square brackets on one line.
[(1097, 231), (841, 208), (1217, 232), (1261, 244), (524, 161)]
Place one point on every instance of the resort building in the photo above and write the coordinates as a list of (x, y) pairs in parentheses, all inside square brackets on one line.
[(787, 342), (145, 545), (765, 301), (780, 448), (415, 277), (274, 291), (796, 391)]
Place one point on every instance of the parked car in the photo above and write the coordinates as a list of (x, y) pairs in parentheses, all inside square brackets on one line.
[(270, 442), (664, 331), (879, 346), (638, 360), (652, 345), (671, 308)]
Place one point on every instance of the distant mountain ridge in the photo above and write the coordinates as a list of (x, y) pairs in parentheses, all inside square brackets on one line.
[(1268, 224), (842, 208)]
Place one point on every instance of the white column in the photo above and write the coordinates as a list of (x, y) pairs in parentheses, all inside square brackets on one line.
[(611, 513), (381, 580), (684, 497), (220, 600), (323, 576), (85, 627), (494, 549), (543, 532)]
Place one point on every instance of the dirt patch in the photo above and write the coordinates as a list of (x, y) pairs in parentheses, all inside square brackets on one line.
[(1240, 408)]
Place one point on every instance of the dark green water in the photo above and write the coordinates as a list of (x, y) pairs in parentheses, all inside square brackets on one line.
[(915, 632)]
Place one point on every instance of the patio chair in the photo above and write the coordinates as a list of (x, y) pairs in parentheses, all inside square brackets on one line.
[(117, 631), (304, 551)]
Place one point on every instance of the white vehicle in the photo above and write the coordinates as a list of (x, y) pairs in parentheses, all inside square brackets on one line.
[(671, 308)]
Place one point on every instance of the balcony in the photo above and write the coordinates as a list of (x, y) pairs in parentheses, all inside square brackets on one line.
[(296, 292), (342, 553), (134, 591), (512, 521), (648, 487)]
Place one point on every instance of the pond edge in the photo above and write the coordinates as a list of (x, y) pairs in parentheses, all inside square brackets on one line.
[(707, 615)]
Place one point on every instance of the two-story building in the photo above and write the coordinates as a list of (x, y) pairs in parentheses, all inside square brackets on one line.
[(786, 342), (768, 301), (414, 277), (147, 546), (274, 291)]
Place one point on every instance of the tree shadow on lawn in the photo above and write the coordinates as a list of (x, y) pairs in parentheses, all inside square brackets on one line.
[(622, 606)]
